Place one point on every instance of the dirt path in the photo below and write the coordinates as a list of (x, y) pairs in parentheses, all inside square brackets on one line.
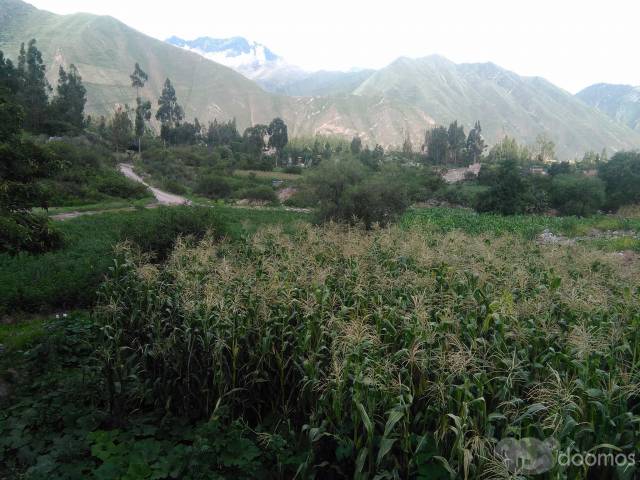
[(162, 197)]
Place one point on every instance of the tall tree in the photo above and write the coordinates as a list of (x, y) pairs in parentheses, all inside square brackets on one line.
[(121, 128), (169, 113), (34, 88), (278, 135), (407, 146), (475, 143), (254, 138), (22, 163), (457, 142), (71, 97), (545, 148), (143, 107), (138, 78), (437, 145), (356, 145), (143, 115)]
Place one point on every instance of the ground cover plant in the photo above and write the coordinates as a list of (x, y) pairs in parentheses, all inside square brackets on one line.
[(69, 277)]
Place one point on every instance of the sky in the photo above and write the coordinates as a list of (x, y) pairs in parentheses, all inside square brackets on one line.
[(571, 43)]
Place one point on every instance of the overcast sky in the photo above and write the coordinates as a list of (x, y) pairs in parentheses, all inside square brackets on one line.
[(569, 42)]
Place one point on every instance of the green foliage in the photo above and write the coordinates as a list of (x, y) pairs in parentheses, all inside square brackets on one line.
[(158, 233), (261, 193), (169, 113), (510, 193), (278, 136), (621, 176), (121, 129), (577, 194), (213, 186), (68, 105), (69, 277), (22, 164), (89, 176), (371, 345)]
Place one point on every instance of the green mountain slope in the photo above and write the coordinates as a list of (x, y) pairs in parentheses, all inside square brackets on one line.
[(620, 102), (105, 50), (382, 106), (505, 103)]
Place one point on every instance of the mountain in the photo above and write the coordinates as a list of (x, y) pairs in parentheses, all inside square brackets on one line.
[(382, 106), (620, 102), (248, 58), (504, 102), (256, 62)]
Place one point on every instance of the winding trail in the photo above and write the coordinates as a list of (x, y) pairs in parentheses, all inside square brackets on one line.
[(163, 198)]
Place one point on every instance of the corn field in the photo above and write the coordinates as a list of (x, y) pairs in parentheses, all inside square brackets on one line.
[(393, 353)]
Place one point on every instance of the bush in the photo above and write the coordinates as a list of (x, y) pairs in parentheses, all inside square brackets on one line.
[(293, 169), (577, 194), (261, 193), (23, 232), (157, 233), (621, 176), (213, 186)]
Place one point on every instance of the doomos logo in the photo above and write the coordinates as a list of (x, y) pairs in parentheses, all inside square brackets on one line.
[(528, 456)]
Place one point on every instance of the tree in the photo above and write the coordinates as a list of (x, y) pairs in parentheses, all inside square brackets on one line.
[(169, 113), (138, 78), (437, 145), (510, 193), (253, 138), (121, 128), (278, 136), (508, 148), (475, 143), (356, 145), (22, 163), (545, 149), (71, 97), (457, 142), (577, 194), (347, 191), (143, 107), (143, 115), (407, 146), (34, 90), (621, 176)]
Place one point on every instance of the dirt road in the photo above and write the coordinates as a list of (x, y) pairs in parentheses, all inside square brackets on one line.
[(162, 197)]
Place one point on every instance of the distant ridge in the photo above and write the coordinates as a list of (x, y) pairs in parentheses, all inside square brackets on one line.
[(382, 106)]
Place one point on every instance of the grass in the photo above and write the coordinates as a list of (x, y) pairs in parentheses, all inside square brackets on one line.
[(527, 226), (269, 175), (68, 278), (107, 205), (21, 334)]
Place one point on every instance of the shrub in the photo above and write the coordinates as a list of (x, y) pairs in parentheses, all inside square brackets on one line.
[(158, 232), (577, 194), (213, 186), (293, 169), (621, 176), (261, 193), (23, 232)]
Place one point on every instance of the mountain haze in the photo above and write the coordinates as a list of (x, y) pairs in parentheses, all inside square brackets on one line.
[(382, 106), (620, 102)]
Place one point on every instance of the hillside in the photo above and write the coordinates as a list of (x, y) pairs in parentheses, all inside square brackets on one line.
[(105, 50), (407, 96), (620, 102), (505, 103)]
